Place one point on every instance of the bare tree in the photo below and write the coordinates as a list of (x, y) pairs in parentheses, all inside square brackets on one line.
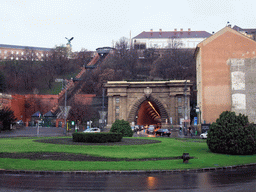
[(81, 112), (175, 64)]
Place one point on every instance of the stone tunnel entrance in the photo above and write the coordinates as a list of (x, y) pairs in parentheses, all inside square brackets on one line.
[(163, 103)]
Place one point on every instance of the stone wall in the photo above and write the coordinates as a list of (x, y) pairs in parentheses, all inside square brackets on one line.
[(243, 87)]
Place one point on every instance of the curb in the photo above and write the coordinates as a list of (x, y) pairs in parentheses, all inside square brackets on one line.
[(126, 172)]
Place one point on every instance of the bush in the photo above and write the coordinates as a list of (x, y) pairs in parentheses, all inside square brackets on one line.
[(123, 127), (97, 137), (232, 134), (6, 118)]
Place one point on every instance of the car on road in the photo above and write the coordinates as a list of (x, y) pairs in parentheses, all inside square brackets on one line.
[(151, 129), (204, 135), (163, 132), (92, 130), (19, 122), (137, 128)]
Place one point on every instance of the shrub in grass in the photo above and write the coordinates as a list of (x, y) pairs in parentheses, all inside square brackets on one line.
[(97, 137), (232, 134), (123, 127)]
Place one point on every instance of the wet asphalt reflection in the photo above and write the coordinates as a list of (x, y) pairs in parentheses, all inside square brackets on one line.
[(242, 179)]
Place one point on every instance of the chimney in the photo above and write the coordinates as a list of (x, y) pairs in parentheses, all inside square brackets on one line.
[(151, 32), (160, 32), (175, 29), (181, 29), (189, 29)]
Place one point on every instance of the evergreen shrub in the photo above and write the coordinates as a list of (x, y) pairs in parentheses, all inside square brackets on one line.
[(123, 127), (96, 137), (232, 134)]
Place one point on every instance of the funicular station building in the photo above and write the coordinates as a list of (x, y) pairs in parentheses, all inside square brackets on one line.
[(162, 103)]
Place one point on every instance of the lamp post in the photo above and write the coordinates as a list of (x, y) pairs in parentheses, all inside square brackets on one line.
[(65, 110), (185, 105), (198, 115)]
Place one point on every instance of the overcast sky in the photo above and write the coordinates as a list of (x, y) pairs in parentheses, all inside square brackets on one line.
[(97, 23)]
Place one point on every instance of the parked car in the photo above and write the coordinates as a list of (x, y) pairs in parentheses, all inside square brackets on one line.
[(163, 132), (137, 128), (19, 122), (204, 135), (151, 129), (92, 130)]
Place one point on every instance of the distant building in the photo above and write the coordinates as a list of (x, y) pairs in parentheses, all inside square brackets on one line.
[(169, 39), (226, 70), (251, 33), (16, 52)]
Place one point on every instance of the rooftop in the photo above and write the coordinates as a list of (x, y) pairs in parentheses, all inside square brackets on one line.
[(24, 47), (173, 34)]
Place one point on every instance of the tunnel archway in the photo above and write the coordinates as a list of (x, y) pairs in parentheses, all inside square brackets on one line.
[(148, 111)]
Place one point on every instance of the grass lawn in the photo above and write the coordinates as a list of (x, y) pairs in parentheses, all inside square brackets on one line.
[(169, 147)]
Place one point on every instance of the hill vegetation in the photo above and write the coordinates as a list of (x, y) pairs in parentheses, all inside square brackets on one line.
[(33, 76)]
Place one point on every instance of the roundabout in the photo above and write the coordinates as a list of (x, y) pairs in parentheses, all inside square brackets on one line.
[(136, 154)]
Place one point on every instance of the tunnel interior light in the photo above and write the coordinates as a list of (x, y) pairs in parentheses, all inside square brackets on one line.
[(153, 108)]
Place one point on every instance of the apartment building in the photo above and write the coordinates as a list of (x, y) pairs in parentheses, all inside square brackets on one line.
[(169, 39), (16, 52)]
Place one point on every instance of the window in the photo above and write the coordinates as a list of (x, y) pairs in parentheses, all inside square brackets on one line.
[(179, 99), (117, 112), (5, 52), (17, 52), (117, 100), (180, 111)]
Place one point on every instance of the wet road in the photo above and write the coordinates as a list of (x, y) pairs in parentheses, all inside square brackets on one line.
[(230, 180), (33, 132), (236, 180)]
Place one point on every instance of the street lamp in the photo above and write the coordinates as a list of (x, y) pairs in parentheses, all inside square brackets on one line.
[(198, 115)]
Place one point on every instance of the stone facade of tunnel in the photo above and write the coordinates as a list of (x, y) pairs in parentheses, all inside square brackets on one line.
[(168, 100)]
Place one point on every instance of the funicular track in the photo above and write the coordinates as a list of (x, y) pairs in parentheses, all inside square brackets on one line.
[(74, 87)]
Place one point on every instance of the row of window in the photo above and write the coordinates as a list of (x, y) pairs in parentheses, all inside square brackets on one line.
[(17, 58), (22, 53)]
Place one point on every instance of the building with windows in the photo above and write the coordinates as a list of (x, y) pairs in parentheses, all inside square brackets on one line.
[(226, 71), (169, 39), (251, 33), (16, 52)]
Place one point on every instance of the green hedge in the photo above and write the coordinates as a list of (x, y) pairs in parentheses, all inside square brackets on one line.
[(123, 127), (97, 137)]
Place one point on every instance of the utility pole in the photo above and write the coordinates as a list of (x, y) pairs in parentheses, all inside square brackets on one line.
[(65, 109), (185, 105)]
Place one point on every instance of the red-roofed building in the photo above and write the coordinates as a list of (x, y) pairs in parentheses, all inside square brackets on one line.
[(169, 39)]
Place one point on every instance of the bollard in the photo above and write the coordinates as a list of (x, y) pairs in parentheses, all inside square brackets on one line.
[(185, 157)]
